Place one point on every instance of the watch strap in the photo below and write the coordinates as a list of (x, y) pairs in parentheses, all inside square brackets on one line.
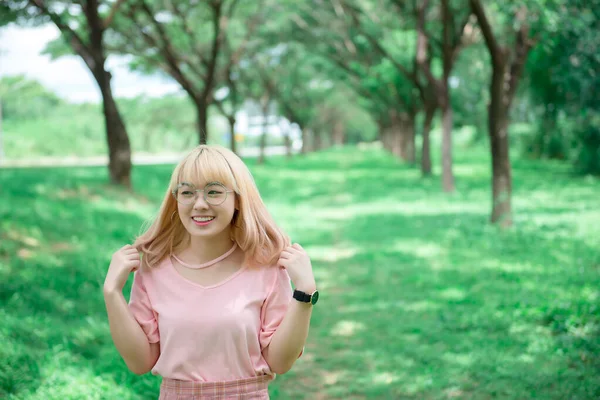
[(301, 296)]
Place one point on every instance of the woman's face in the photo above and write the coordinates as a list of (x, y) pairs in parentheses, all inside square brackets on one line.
[(206, 211)]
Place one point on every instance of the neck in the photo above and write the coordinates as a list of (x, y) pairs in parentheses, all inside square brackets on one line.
[(199, 250)]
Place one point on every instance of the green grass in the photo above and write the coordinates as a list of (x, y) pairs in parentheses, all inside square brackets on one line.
[(421, 297)]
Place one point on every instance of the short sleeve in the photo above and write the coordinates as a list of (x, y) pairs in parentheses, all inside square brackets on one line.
[(141, 308), (275, 306)]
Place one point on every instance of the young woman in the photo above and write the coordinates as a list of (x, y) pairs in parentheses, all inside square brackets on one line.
[(211, 308)]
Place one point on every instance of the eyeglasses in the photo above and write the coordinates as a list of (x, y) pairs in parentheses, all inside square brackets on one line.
[(214, 193)]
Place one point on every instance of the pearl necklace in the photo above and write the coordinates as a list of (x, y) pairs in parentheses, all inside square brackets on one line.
[(206, 264)]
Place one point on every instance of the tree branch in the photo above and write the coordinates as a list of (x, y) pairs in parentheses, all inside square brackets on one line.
[(231, 10), (494, 49), (447, 39), (410, 75), (189, 32), (523, 45), (422, 45), (77, 44), (220, 23), (165, 48), (96, 28), (111, 14), (457, 40)]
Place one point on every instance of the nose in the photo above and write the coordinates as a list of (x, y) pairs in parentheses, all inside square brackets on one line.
[(200, 202)]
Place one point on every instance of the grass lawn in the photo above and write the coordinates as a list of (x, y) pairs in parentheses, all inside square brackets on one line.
[(420, 297)]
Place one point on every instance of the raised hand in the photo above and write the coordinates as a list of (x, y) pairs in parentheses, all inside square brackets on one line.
[(124, 261), (297, 263)]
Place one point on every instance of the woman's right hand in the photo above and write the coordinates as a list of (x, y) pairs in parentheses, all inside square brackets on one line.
[(124, 261)]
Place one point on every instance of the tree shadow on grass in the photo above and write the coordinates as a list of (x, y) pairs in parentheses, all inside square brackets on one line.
[(431, 304), (57, 233)]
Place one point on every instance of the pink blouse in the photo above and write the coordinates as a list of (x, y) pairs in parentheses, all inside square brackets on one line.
[(212, 333)]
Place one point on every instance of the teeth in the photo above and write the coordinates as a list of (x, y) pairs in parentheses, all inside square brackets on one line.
[(203, 219)]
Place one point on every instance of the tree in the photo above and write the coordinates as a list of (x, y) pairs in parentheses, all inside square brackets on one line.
[(388, 95), (434, 92), (562, 77), (291, 76), (237, 42), (167, 36), (507, 67), (450, 46), (84, 28)]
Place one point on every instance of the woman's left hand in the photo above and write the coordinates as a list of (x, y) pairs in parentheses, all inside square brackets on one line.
[(297, 263)]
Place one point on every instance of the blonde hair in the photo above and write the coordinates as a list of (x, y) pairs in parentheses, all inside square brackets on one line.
[(252, 227)]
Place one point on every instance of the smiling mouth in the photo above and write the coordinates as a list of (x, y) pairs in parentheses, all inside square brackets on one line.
[(202, 221)]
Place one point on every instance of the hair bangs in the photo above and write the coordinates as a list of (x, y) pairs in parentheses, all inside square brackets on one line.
[(205, 166)]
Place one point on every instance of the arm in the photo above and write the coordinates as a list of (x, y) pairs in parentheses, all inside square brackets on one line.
[(128, 336), (130, 339), (290, 336)]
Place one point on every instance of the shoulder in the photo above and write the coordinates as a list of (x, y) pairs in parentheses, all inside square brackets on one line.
[(268, 270), (276, 276), (154, 272), (268, 275)]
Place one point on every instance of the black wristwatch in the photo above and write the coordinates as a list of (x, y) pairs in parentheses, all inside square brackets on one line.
[(306, 298)]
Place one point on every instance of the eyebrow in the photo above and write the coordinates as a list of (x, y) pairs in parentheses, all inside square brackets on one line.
[(209, 183)]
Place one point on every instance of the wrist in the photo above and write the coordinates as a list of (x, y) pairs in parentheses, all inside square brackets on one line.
[(307, 287), (109, 290)]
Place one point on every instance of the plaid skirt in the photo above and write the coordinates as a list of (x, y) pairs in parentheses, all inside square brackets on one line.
[(255, 388)]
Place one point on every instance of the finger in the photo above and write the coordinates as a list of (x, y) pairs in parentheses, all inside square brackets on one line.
[(297, 247), (291, 249), (283, 262), (132, 261), (285, 254)]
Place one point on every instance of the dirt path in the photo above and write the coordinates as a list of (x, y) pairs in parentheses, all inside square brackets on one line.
[(137, 159)]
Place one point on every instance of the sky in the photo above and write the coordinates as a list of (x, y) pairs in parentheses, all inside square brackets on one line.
[(69, 78), (20, 53)]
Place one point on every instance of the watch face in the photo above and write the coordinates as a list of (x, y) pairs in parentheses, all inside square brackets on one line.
[(314, 298)]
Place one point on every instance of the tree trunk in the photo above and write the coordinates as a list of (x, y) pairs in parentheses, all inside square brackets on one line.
[(338, 134), (92, 52), (263, 138), (507, 66), (231, 120), (202, 120), (447, 174), (407, 137), (498, 130), (287, 140), (426, 149), (318, 140), (394, 134), (119, 148), (307, 140), (1, 137), (385, 135), (288, 144), (398, 134)]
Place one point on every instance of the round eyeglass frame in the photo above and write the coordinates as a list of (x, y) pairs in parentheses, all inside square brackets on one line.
[(193, 187)]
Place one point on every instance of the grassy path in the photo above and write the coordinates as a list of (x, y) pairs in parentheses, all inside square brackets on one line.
[(421, 298)]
